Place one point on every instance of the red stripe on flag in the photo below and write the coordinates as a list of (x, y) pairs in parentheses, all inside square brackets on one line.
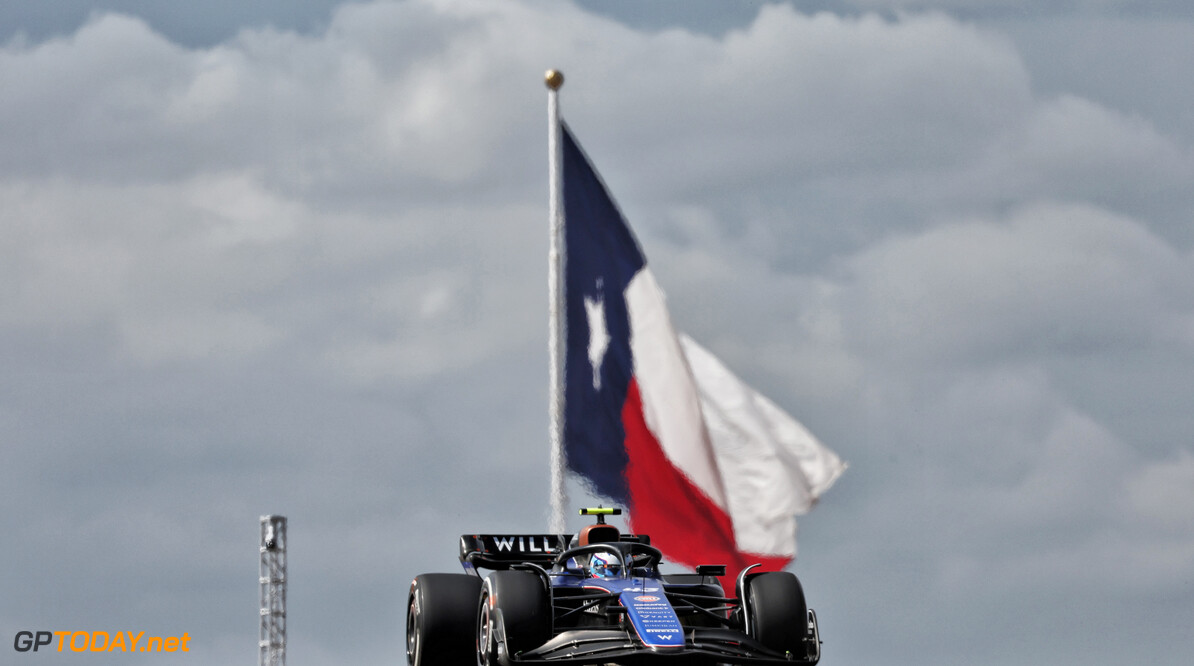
[(681, 520)]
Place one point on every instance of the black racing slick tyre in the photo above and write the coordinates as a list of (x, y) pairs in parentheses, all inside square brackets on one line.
[(439, 619), (514, 616), (778, 612)]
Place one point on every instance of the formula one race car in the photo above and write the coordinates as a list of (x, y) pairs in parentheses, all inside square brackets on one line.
[(598, 598)]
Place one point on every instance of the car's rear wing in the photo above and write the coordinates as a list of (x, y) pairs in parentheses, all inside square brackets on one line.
[(502, 551)]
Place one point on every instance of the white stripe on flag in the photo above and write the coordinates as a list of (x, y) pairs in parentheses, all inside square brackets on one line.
[(671, 403), (772, 467)]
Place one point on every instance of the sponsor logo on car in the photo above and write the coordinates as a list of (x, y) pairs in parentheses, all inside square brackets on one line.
[(524, 543), (646, 597)]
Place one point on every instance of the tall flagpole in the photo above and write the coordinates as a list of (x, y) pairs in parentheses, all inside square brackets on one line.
[(556, 323)]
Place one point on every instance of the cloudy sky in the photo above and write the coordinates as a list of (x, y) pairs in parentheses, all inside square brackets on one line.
[(284, 257)]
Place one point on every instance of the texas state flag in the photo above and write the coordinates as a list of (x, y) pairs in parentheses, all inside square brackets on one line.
[(714, 472)]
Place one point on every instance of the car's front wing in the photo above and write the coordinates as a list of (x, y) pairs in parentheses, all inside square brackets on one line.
[(701, 647)]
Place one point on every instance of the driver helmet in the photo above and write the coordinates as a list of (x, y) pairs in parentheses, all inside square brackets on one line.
[(604, 565)]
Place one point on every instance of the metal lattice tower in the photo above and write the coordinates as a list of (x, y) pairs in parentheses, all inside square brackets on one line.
[(272, 643)]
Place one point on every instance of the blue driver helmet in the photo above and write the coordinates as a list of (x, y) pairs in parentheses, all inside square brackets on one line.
[(604, 565)]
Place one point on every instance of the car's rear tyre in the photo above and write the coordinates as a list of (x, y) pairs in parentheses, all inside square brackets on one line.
[(778, 612), (514, 616), (439, 619)]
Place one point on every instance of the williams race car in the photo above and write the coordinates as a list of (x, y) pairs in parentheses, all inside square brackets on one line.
[(598, 597)]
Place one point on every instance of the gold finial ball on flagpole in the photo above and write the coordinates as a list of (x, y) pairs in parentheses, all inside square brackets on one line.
[(554, 79)]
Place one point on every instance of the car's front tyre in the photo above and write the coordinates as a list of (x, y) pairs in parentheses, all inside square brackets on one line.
[(513, 616), (778, 612), (439, 619)]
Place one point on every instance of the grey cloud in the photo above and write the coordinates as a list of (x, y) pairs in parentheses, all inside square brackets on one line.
[(1052, 279), (304, 273)]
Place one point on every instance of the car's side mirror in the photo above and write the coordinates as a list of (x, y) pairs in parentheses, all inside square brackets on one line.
[(711, 569)]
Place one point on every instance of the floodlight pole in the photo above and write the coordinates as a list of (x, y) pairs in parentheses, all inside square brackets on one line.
[(272, 639)]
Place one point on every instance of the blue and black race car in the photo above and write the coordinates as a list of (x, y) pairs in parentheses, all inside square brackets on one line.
[(598, 597)]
